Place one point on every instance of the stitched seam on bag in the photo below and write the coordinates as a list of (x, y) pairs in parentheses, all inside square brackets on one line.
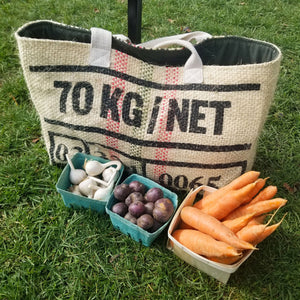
[(146, 73), (172, 75), (120, 65)]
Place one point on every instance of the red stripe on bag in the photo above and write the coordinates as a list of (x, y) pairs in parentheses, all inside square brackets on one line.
[(161, 154), (120, 64)]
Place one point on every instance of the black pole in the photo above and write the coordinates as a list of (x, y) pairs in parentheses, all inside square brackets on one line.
[(134, 20)]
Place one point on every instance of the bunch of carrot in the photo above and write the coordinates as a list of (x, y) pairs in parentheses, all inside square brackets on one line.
[(230, 220)]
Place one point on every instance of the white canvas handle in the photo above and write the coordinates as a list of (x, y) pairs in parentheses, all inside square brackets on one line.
[(197, 36), (101, 41), (193, 68)]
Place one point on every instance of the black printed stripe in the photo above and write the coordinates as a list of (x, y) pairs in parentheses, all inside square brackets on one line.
[(146, 83), (154, 144), (146, 161)]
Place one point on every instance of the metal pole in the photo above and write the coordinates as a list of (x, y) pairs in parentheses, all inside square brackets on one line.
[(134, 20)]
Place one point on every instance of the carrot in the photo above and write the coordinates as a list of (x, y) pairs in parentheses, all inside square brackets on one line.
[(260, 183), (258, 208), (268, 231), (183, 225), (226, 260), (250, 233), (254, 234), (229, 202), (243, 180), (257, 220), (266, 194), (203, 244), (237, 224), (211, 226), (237, 183)]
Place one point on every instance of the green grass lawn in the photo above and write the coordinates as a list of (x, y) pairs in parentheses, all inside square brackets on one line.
[(48, 251)]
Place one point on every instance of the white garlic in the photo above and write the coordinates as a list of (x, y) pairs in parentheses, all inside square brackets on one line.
[(99, 181), (74, 189), (108, 173), (84, 187), (94, 167), (101, 192), (76, 175)]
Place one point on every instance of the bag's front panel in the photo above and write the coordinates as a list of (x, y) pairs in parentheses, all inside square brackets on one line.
[(179, 135)]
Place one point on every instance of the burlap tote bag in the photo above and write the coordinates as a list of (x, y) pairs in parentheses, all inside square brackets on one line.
[(182, 116)]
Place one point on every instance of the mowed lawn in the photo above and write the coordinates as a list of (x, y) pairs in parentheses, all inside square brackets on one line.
[(48, 251)]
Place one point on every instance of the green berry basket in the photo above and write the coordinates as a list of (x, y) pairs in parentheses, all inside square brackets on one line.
[(135, 232), (76, 201)]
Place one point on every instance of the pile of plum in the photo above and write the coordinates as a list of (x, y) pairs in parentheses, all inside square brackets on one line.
[(147, 208)]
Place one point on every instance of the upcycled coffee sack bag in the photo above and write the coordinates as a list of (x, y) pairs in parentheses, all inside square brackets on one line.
[(182, 116)]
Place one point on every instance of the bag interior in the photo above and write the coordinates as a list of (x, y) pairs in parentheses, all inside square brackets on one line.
[(220, 51)]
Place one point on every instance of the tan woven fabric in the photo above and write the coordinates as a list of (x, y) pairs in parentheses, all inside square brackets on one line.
[(142, 114)]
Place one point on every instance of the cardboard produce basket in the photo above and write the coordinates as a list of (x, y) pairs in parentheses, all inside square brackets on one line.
[(219, 271)]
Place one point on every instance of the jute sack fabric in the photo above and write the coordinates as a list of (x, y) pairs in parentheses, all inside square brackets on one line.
[(140, 109)]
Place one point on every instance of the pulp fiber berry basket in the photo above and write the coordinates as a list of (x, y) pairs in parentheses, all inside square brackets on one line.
[(221, 272), (135, 232), (75, 201)]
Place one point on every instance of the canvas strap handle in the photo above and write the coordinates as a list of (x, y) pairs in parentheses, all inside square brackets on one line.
[(193, 68), (197, 36), (101, 41)]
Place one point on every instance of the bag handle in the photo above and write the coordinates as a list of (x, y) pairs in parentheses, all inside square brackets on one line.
[(193, 68), (197, 36), (101, 41)]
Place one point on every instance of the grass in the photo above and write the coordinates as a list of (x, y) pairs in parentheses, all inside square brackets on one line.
[(50, 252)]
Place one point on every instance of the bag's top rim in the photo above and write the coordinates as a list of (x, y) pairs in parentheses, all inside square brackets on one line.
[(218, 50)]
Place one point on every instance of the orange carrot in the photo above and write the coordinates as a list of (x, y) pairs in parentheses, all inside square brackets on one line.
[(266, 194), (226, 260), (211, 226), (183, 225), (229, 202), (254, 234), (237, 183), (243, 180), (257, 209), (257, 220), (237, 224), (260, 183), (203, 244), (250, 233), (268, 231)]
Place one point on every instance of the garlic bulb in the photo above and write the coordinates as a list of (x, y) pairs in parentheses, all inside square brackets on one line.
[(108, 173), (76, 175), (74, 189), (94, 167), (98, 180), (101, 192), (84, 187)]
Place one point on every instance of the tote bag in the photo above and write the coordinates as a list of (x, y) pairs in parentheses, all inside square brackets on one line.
[(184, 116)]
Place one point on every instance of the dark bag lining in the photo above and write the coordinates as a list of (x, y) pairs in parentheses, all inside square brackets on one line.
[(220, 51)]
